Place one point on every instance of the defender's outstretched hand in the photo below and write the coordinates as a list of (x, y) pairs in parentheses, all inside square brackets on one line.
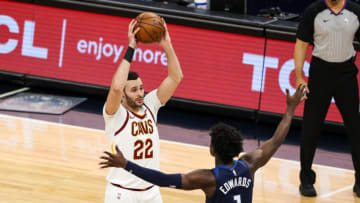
[(301, 81), (297, 97), (113, 160)]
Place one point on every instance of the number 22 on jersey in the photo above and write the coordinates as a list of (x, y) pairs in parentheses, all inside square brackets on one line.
[(143, 149)]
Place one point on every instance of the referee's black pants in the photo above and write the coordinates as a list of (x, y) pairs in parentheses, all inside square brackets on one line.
[(327, 80)]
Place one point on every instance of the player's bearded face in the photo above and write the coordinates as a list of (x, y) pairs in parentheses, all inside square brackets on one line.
[(134, 93)]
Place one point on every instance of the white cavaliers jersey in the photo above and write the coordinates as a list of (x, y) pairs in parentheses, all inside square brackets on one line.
[(137, 137)]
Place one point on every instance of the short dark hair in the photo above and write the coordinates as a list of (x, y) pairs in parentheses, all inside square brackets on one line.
[(133, 75), (226, 141)]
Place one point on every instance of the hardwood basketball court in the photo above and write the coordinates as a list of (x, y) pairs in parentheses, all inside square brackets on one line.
[(51, 162)]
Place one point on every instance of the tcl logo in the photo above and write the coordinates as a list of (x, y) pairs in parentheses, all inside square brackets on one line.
[(257, 61), (28, 49)]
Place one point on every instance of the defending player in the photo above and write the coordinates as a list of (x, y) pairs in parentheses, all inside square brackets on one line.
[(130, 123), (231, 180)]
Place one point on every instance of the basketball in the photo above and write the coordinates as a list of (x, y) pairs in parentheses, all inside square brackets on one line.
[(151, 28)]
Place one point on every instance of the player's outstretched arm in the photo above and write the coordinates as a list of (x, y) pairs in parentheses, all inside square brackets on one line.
[(120, 77), (198, 179), (175, 75), (262, 155)]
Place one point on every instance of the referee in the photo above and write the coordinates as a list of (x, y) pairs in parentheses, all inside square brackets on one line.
[(331, 26)]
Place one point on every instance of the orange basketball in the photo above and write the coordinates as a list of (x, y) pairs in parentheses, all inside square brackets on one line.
[(151, 28)]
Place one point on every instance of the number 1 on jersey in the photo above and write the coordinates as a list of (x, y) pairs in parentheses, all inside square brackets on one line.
[(237, 198)]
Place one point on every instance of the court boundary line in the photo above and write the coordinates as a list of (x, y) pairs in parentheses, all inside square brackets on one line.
[(162, 140), (336, 191)]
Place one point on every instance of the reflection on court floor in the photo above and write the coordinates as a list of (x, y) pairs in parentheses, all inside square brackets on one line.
[(51, 162)]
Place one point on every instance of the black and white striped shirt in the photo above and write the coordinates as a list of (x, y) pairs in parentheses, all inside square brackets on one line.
[(331, 33)]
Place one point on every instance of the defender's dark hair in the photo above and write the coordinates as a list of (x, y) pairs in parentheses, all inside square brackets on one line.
[(133, 75), (226, 141)]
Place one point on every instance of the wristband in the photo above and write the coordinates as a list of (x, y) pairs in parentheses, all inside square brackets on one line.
[(129, 54)]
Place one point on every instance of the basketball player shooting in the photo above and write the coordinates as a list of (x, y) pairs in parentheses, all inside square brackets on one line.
[(130, 122), (231, 181)]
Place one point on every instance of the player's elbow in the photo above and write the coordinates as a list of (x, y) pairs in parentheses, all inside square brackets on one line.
[(186, 186), (116, 90), (117, 87), (178, 78)]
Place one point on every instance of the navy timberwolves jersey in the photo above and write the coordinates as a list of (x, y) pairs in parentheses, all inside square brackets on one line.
[(233, 185)]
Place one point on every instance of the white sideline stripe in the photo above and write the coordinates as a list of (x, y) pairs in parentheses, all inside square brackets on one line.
[(165, 141), (14, 92), (336, 191), (317, 165), (53, 123)]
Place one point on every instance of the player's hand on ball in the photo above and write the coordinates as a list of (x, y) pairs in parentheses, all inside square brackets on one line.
[(113, 160), (132, 33), (165, 40)]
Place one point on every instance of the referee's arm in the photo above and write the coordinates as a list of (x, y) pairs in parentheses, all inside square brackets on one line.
[(299, 58)]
